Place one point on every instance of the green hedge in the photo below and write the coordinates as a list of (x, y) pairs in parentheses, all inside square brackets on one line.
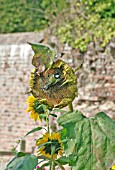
[(26, 15)]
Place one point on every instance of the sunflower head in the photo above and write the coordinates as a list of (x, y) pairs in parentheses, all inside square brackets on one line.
[(35, 108), (56, 86), (50, 145)]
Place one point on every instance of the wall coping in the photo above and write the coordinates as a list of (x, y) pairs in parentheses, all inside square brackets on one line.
[(21, 37)]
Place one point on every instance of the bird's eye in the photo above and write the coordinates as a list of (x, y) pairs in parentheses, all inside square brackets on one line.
[(57, 75)]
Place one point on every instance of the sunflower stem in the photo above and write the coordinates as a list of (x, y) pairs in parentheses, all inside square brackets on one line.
[(80, 66), (52, 160), (70, 107), (52, 153), (50, 166), (47, 121), (56, 162), (53, 166)]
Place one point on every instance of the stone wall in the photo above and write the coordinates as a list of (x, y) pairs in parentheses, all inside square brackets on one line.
[(15, 67), (96, 82)]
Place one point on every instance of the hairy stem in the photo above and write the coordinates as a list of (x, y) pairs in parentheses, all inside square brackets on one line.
[(80, 66), (53, 166), (56, 162), (47, 121), (52, 160), (70, 107)]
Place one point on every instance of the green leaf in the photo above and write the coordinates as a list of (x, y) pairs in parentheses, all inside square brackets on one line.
[(44, 56), (90, 142), (34, 130), (28, 162), (59, 110), (38, 47), (13, 162), (20, 154), (63, 160), (54, 115), (44, 165), (42, 116)]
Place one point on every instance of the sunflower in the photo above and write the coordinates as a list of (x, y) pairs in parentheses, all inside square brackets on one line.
[(56, 86), (50, 145), (35, 108)]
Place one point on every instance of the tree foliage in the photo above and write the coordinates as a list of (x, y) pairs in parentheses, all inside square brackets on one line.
[(27, 15), (75, 22), (87, 21)]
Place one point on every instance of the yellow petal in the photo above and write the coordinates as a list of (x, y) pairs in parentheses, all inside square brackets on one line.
[(39, 118), (42, 149), (48, 155), (41, 141), (55, 135), (31, 99), (113, 167), (43, 153), (46, 135), (54, 156), (29, 109), (60, 152), (30, 104), (34, 115)]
